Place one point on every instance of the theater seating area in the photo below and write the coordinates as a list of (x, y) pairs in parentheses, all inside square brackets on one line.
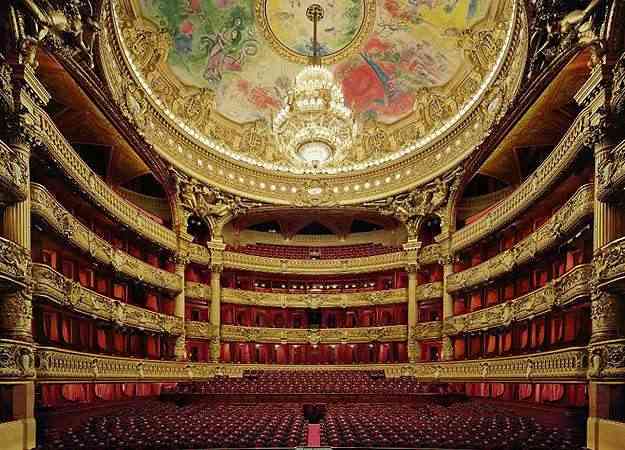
[(304, 252), (157, 425), (319, 382), (473, 425)]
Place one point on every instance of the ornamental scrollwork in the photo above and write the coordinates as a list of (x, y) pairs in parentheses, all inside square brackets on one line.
[(67, 26), (390, 333), (607, 360), (413, 206), (17, 360), (15, 262)]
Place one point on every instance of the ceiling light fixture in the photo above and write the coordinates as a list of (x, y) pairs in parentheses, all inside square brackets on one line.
[(314, 126)]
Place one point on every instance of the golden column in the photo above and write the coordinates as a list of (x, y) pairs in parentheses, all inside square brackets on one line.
[(217, 252), (413, 344), (180, 350), (448, 308)]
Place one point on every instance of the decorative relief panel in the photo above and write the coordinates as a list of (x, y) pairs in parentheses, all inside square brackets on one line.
[(60, 151), (15, 264), (17, 359), (13, 174), (532, 188), (556, 294), (310, 266), (44, 205), (55, 287), (607, 360), (427, 330), (314, 336), (430, 254), (429, 291), (609, 261), (199, 254), (568, 216), (197, 290)]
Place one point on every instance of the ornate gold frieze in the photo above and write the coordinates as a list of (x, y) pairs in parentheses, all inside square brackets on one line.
[(532, 188), (566, 364), (313, 336), (15, 263), (609, 262), (429, 291), (199, 254), (607, 360), (427, 330), (430, 254), (17, 359), (53, 286), (13, 174), (563, 221), (556, 294), (193, 289), (376, 263), (62, 153), (45, 206)]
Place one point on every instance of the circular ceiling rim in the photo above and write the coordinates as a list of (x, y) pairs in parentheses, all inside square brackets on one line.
[(513, 49)]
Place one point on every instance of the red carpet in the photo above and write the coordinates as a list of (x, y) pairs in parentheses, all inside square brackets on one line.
[(314, 435)]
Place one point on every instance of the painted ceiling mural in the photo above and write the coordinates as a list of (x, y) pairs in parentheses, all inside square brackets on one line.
[(249, 51), (410, 70)]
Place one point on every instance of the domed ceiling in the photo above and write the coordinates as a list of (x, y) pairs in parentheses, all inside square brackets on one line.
[(220, 70)]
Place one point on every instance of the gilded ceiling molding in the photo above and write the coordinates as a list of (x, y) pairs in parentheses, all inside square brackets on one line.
[(70, 228), (411, 208), (564, 221), (558, 293), (52, 141), (65, 365), (233, 333), (62, 291), (15, 264), (377, 263), (536, 185), (227, 170)]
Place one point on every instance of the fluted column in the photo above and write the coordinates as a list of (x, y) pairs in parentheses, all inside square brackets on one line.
[(16, 306), (215, 314), (448, 304), (180, 350), (607, 309), (412, 312)]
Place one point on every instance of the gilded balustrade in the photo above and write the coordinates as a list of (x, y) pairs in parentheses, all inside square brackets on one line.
[(62, 153), (55, 287), (564, 221), (235, 333), (65, 365), (427, 330), (556, 294), (13, 175), (314, 266), (430, 254), (532, 188), (429, 291), (199, 254), (15, 263), (55, 215)]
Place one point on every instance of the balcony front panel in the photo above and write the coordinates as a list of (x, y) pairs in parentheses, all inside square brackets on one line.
[(15, 263), (58, 289), (53, 213), (562, 222)]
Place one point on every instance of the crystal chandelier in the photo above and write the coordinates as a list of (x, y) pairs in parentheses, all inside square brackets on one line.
[(314, 126)]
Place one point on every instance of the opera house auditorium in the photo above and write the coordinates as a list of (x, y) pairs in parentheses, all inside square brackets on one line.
[(334, 224)]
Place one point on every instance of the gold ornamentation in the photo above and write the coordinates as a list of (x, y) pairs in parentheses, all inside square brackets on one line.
[(579, 206), (53, 286), (17, 360), (15, 263), (390, 333)]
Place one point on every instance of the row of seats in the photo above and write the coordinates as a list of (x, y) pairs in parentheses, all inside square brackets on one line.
[(158, 425), (470, 425), (303, 252), (318, 382)]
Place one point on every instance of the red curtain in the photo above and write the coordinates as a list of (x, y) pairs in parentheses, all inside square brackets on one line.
[(459, 347), (74, 392), (552, 392), (50, 326), (491, 343), (497, 390), (152, 346), (101, 339), (105, 391), (525, 391)]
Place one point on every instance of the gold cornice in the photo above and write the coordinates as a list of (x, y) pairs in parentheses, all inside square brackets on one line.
[(186, 153), (53, 286), (55, 215), (234, 333), (62, 153), (578, 207), (532, 188), (556, 294)]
